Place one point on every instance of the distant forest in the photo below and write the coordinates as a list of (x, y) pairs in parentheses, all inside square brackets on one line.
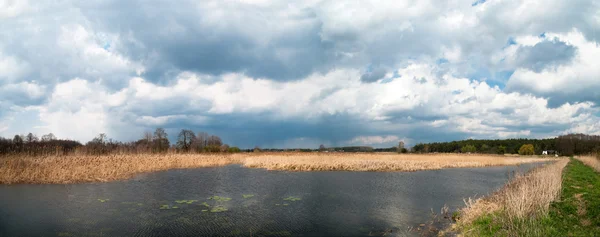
[(571, 144), (190, 142)]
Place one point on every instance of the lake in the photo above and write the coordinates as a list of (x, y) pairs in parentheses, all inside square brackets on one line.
[(237, 201)]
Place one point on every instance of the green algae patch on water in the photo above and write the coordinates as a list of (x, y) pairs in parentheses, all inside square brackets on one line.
[(247, 195), (103, 200), (220, 199), (185, 201), (218, 208), (164, 207), (292, 199)]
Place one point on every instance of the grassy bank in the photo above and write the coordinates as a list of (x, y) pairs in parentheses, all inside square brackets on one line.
[(83, 168), (533, 206)]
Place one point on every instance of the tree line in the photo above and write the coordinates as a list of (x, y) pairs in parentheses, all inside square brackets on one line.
[(151, 142), (30, 144), (571, 144)]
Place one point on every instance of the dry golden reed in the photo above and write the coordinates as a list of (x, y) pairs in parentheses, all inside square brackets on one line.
[(377, 161), (85, 168), (590, 161), (523, 197)]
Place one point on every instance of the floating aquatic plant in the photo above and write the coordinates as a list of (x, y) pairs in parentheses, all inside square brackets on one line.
[(204, 210), (186, 201), (205, 204), (247, 195), (220, 199), (174, 207), (218, 208), (103, 200), (286, 204), (164, 207), (292, 199)]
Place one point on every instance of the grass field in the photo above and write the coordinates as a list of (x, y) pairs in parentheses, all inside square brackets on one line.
[(572, 210), (82, 168)]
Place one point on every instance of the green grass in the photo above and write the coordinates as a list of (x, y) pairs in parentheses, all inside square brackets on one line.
[(580, 191)]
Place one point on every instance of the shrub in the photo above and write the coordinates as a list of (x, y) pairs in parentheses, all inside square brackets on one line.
[(468, 149), (527, 150), (234, 149), (501, 150)]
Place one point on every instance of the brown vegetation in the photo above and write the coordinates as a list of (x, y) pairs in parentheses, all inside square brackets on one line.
[(524, 197), (377, 161), (87, 168), (593, 162)]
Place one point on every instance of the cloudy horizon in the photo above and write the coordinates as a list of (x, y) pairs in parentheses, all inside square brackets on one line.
[(297, 74)]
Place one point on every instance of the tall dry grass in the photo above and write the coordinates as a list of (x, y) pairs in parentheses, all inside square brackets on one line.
[(590, 161), (87, 168), (523, 199), (377, 161), (84, 168)]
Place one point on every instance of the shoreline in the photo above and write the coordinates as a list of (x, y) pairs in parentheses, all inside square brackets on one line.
[(85, 168), (557, 199)]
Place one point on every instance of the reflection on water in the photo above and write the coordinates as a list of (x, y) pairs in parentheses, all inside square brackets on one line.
[(235, 201)]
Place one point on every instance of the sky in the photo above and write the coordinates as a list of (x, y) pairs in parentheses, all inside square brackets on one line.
[(301, 73)]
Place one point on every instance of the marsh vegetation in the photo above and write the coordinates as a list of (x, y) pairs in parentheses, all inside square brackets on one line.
[(103, 168)]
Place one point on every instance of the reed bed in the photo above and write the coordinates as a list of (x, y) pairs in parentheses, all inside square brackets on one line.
[(88, 168), (84, 168), (519, 203), (377, 161), (590, 161)]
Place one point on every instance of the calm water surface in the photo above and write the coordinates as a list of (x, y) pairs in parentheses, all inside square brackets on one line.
[(250, 202)]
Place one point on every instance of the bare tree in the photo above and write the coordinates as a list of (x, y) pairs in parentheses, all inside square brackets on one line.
[(18, 139), (400, 146), (185, 139), (48, 137), (148, 136), (200, 142), (30, 138), (214, 141), (322, 147), (161, 142)]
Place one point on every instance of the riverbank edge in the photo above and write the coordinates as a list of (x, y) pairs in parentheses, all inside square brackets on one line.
[(575, 213)]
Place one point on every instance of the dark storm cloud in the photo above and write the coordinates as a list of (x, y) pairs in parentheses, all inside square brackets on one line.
[(185, 37), (545, 54)]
